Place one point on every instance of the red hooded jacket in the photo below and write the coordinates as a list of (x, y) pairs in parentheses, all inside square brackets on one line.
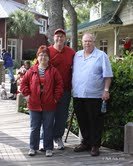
[(52, 89)]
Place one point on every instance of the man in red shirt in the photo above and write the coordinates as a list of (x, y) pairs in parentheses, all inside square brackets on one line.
[(61, 57)]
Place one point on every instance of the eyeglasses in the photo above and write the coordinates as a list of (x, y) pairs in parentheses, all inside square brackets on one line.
[(60, 36)]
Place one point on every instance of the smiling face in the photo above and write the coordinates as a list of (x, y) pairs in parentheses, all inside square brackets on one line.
[(43, 58), (59, 39), (88, 42)]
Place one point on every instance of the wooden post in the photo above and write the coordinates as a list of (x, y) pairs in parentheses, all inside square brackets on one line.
[(128, 138), (19, 101), (116, 32), (2, 72)]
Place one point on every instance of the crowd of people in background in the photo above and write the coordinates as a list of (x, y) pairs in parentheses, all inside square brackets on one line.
[(59, 74), (14, 80)]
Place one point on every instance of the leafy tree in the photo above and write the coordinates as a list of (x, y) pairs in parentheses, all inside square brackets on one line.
[(82, 10), (77, 12), (20, 24), (56, 19)]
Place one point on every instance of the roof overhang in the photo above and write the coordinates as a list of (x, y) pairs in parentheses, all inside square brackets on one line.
[(10, 6), (97, 28)]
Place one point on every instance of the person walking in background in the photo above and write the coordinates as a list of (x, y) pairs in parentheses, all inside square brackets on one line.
[(90, 86), (8, 64), (42, 87), (61, 57)]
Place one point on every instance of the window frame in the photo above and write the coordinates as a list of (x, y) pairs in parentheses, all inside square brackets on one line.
[(11, 47), (103, 46), (43, 26), (0, 45)]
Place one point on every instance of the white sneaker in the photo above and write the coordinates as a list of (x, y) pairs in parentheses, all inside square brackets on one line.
[(32, 152), (49, 153), (60, 144)]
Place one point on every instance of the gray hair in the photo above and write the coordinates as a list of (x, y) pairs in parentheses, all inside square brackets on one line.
[(89, 34)]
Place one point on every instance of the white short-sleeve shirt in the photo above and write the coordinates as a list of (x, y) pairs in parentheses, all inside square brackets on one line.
[(89, 73)]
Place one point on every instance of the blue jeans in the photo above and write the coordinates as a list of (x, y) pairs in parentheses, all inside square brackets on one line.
[(46, 118), (10, 73), (61, 115)]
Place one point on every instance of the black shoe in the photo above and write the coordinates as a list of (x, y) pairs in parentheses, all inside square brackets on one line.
[(81, 148), (42, 150), (10, 97), (95, 151), (14, 98)]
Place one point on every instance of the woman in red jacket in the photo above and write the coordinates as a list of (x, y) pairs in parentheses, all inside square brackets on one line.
[(42, 87)]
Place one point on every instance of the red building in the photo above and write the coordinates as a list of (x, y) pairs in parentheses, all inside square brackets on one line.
[(28, 43)]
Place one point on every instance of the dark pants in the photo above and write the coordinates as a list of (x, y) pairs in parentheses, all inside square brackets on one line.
[(13, 88), (90, 120), (61, 115)]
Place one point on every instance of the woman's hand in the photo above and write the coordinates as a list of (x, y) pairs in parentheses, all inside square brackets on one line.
[(27, 98)]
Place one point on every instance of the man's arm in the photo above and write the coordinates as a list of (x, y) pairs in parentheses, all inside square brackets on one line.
[(106, 94)]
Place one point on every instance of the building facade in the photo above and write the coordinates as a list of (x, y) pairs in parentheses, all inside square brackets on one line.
[(27, 43)]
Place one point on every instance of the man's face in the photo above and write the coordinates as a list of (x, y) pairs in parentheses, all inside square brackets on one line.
[(59, 38), (88, 42)]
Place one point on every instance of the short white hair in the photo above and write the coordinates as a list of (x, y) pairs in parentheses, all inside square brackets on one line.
[(89, 34)]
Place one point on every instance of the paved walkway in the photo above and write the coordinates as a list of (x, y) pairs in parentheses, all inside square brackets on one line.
[(14, 140)]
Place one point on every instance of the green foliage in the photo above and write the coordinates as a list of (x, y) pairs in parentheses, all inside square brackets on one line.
[(108, 6), (21, 23), (111, 138), (82, 10), (74, 125), (16, 66), (120, 108), (23, 107)]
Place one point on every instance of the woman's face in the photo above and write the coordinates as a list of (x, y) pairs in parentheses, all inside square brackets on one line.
[(43, 58)]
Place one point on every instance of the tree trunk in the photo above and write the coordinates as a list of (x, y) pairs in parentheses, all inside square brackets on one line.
[(73, 16), (55, 14)]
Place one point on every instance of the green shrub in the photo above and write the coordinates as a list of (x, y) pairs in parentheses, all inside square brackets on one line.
[(16, 65), (120, 108), (74, 125), (23, 106)]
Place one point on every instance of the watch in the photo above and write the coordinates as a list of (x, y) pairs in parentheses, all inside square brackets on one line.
[(106, 90)]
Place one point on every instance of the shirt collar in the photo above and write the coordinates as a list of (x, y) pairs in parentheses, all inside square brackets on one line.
[(91, 55)]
